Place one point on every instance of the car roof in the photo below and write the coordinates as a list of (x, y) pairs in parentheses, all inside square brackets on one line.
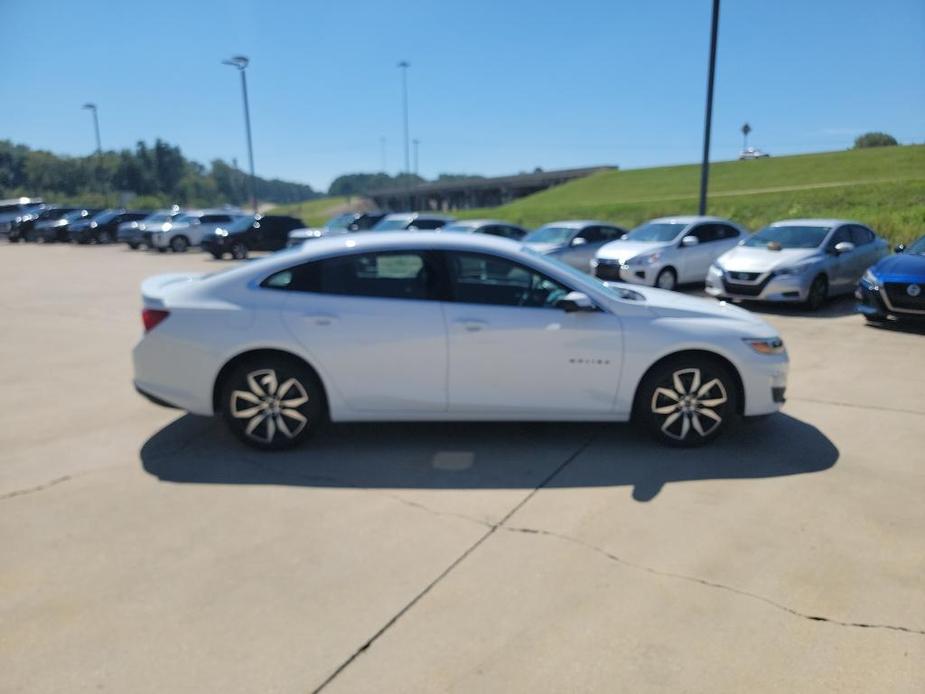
[(401, 239), (688, 219), (577, 223), (814, 222), (483, 222)]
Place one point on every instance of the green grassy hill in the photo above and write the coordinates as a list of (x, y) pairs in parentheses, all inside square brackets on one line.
[(883, 187), (316, 212)]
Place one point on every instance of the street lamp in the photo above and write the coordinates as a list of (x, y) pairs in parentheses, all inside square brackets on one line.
[(96, 125), (705, 165), (240, 62), (416, 142), (404, 65)]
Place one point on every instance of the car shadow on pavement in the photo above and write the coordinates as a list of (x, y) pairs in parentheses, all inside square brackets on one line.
[(485, 456), (836, 307)]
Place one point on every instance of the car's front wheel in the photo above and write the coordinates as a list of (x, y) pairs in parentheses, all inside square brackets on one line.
[(687, 401), (818, 293), (238, 251), (272, 402), (667, 279), (179, 244)]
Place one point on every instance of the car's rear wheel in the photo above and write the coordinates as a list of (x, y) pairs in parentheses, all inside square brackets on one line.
[(179, 244), (666, 279), (272, 403), (238, 251), (687, 401), (818, 293), (217, 255), (133, 245)]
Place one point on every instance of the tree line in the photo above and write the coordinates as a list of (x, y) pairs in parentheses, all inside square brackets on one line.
[(153, 176)]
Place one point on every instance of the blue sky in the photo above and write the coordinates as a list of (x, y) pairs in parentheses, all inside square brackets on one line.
[(496, 86)]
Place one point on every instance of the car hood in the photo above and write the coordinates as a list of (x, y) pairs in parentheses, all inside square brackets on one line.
[(670, 304), (624, 250), (50, 223), (544, 247), (752, 259), (902, 267)]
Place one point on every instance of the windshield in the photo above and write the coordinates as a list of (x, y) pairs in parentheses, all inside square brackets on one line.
[(777, 238), (158, 217), (73, 216), (105, 216), (239, 224), (582, 280), (387, 224), (917, 248), (550, 234), (465, 228), (656, 231), (341, 221)]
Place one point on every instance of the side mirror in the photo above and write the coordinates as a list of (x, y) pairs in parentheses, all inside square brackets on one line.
[(843, 247), (899, 248), (575, 301), (578, 241), (689, 241)]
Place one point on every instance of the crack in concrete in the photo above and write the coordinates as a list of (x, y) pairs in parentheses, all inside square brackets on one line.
[(492, 529), (711, 584), (37, 488)]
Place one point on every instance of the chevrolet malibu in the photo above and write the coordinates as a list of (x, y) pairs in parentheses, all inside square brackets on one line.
[(434, 326), (797, 260)]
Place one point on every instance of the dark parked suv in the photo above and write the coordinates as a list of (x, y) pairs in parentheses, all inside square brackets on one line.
[(103, 226), (258, 233), (25, 229)]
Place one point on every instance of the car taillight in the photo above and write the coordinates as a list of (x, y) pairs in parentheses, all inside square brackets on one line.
[(151, 317)]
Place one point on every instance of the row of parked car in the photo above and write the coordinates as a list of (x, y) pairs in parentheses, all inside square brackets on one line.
[(800, 261)]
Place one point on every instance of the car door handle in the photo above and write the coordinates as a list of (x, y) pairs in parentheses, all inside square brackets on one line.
[(472, 326), (320, 318)]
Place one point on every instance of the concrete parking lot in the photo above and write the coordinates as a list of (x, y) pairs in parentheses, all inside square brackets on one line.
[(148, 551)]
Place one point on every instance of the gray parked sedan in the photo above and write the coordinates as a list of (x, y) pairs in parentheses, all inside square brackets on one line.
[(575, 242), (492, 227), (797, 260)]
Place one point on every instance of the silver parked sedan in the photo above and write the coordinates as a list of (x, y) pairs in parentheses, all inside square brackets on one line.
[(797, 260), (574, 242)]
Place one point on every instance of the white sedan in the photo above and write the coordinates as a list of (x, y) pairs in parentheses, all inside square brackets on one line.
[(667, 252), (431, 326)]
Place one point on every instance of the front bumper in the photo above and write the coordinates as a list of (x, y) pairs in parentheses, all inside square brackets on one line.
[(616, 271), (751, 286), (889, 299)]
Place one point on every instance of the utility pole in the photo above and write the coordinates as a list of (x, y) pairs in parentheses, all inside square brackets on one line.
[(240, 62), (384, 162), (96, 126), (708, 121), (403, 66), (416, 142), (746, 129)]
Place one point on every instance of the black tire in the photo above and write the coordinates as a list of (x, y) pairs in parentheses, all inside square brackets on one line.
[(14, 239), (687, 401), (254, 399), (818, 293), (179, 244), (667, 279), (161, 250), (238, 251), (217, 255), (133, 245), (104, 237)]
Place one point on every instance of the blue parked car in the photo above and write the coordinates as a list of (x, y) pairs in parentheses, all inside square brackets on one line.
[(895, 287)]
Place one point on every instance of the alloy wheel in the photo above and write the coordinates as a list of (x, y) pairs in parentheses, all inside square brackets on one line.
[(269, 407), (665, 280), (687, 403)]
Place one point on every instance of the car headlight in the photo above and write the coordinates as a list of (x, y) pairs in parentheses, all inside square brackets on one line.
[(870, 278), (773, 345), (647, 259), (717, 270), (221, 232)]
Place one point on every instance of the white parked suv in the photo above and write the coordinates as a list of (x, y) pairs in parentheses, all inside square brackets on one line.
[(189, 229), (667, 252), (446, 327)]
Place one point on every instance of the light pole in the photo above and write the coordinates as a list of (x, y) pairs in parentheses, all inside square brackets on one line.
[(746, 129), (416, 142), (383, 159), (403, 66), (708, 121), (240, 62), (96, 126)]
